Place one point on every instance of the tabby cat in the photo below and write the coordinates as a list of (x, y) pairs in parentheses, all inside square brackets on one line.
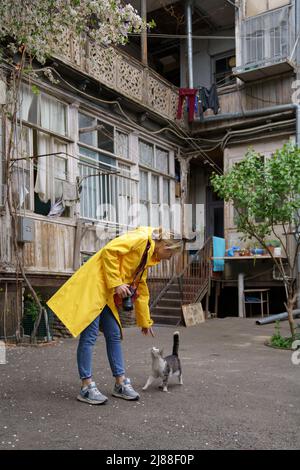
[(165, 367)]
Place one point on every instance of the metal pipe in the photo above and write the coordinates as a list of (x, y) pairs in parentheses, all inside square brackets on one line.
[(278, 316), (297, 56), (144, 52), (189, 33), (253, 113)]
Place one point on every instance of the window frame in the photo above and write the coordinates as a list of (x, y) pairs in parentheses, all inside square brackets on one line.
[(89, 207), (33, 132), (161, 177)]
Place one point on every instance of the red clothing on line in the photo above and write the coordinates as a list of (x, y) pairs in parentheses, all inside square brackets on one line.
[(190, 93)]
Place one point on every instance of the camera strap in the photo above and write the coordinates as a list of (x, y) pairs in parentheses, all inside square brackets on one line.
[(141, 267)]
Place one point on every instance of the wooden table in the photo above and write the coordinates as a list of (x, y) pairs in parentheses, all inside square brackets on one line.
[(263, 299)]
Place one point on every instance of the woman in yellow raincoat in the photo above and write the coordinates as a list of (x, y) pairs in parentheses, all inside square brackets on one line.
[(87, 300)]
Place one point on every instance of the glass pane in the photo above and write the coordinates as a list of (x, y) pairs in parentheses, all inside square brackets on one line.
[(154, 189), (87, 136), (60, 168), (22, 142), (146, 154), (122, 149), (166, 194), (143, 186), (88, 192), (29, 105), (20, 178), (53, 114), (155, 215), (162, 160), (43, 183), (144, 214), (166, 216), (105, 137), (98, 157)]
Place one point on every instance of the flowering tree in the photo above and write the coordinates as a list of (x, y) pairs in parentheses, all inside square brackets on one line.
[(38, 24), (266, 196), (32, 30)]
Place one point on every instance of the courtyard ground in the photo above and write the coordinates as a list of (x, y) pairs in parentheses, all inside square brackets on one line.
[(237, 394)]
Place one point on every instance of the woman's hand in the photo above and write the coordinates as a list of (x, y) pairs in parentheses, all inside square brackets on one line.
[(123, 291), (147, 331)]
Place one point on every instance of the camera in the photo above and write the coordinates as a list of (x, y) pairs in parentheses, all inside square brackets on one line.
[(127, 302)]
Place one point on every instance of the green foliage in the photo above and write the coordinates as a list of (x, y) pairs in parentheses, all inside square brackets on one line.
[(31, 309), (280, 341), (265, 191), (266, 194), (39, 25)]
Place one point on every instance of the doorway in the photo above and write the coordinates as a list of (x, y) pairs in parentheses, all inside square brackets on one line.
[(214, 214)]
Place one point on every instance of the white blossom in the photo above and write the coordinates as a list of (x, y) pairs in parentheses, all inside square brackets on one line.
[(40, 25)]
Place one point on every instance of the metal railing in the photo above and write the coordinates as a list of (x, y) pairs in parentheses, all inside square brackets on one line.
[(267, 38), (193, 279)]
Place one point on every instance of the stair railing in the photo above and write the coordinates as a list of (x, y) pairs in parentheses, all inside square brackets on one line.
[(193, 279)]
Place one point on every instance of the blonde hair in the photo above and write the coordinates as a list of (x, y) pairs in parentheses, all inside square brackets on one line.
[(168, 238)]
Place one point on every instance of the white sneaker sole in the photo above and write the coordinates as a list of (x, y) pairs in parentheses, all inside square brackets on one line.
[(91, 402), (119, 395)]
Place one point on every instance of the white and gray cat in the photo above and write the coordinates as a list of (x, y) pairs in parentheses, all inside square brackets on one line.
[(165, 367)]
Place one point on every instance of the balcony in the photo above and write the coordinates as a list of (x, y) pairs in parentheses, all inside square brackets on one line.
[(121, 73), (267, 45)]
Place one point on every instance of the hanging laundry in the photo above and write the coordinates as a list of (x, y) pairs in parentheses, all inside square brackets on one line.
[(208, 99), (190, 94)]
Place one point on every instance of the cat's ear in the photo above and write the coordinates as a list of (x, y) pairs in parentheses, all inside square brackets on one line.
[(161, 351)]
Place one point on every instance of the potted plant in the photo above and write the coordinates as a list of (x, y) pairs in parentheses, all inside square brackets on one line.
[(272, 244)]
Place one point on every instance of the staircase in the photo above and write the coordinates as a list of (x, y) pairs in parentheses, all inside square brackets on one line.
[(189, 286), (168, 309)]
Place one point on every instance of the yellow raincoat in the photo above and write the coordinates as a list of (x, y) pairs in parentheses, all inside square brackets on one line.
[(82, 298)]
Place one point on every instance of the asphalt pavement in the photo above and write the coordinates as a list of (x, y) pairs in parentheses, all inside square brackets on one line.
[(237, 394)]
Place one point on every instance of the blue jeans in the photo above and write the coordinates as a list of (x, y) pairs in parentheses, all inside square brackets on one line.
[(88, 337)]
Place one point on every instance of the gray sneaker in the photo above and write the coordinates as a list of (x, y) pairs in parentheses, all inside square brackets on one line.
[(92, 395), (126, 391)]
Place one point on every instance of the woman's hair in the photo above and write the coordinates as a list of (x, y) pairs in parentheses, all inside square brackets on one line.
[(167, 237)]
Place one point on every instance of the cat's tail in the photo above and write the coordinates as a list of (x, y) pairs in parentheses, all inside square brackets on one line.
[(175, 343)]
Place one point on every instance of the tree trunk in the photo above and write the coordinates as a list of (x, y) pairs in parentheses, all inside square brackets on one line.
[(289, 308)]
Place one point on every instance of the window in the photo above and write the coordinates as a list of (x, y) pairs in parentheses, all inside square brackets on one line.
[(144, 198), (146, 154), (122, 145), (107, 189), (20, 171), (38, 181), (161, 160), (222, 68), (96, 133), (50, 172), (267, 38), (154, 185), (43, 110), (256, 7)]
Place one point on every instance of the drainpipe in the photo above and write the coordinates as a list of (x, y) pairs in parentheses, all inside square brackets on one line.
[(188, 14), (144, 52), (297, 55), (252, 113)]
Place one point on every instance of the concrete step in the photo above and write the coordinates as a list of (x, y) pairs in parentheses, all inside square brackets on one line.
[(166, 320), (172, 294), (173, 311), (166, 302)]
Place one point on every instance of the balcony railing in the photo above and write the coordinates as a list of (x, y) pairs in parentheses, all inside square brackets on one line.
[(122, 73), (267, 43)]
